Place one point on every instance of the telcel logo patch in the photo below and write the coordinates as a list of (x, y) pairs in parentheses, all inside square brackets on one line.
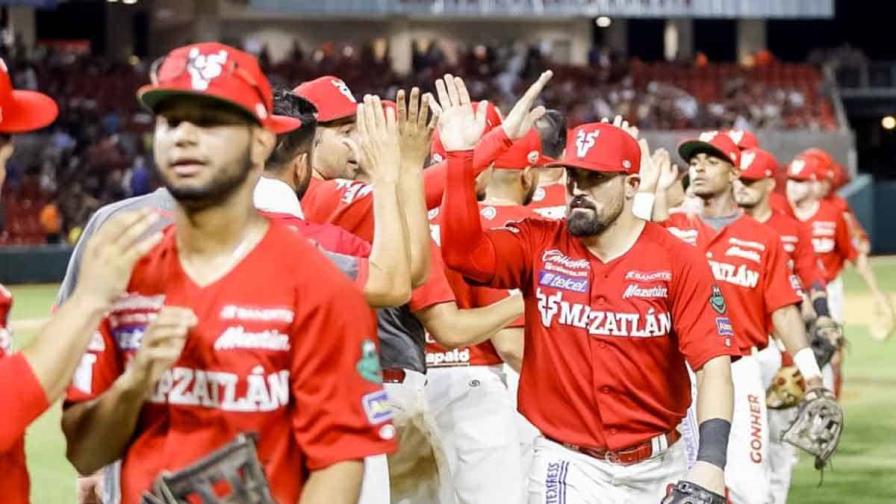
[(558, 281)]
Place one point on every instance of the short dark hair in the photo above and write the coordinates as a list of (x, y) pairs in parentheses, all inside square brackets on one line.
[(293, 143), (552, 130)]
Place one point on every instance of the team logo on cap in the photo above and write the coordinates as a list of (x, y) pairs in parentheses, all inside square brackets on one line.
[(707, 136), (204, 68), (746, 159), (343, 88), (585, 141), (736, 135), (797, 166)]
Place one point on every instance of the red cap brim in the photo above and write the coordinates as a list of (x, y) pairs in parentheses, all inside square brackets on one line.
[(585, 166), (28, 111)]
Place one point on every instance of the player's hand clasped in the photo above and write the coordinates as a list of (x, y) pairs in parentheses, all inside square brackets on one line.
[(162, 343)]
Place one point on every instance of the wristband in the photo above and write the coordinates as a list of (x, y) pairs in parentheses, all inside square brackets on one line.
[(806, 363), (642, 205), (713, 447), (820, 304)]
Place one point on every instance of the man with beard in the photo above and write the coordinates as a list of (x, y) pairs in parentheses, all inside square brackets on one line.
[(466, 392), (614, 307), (281, 347), (750, 265)]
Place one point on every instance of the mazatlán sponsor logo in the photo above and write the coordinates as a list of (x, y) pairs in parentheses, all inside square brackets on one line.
[(255, 314), (649, 276), (737, 275), (638, 291), (599, 322), (236, 337), (454, 357), (557, 257), (558, 281), (184, 386)]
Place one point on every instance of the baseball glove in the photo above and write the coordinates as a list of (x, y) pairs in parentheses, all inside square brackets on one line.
[(686, 492), (818, 425), (787, 389), (826, 337), (233, 469)]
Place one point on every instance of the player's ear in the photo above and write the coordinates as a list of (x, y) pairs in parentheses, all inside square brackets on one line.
[(632, 183), (263, 143), (300, 166), (529, 177), (734, 173)]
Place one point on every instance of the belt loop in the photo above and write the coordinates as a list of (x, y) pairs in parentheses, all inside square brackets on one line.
[(663, 442)]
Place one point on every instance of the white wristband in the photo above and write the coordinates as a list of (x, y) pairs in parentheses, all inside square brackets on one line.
[(806, 363), (642, 205)]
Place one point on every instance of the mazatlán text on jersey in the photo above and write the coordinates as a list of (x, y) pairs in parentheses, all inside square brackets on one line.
[(737, 275), (599, 322), (217, 389)]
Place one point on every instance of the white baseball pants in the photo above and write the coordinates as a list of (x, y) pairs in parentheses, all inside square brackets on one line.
[(475, 425), (747, 470), (526, 432), (563, 476), (782, 456)]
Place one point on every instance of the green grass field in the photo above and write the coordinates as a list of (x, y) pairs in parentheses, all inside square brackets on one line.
[(864, 471)]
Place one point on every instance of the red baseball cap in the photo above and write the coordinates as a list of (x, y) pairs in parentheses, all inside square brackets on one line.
[(713, 143), (743, 139), (601, 147), (524, 152), (757, 164), (217, 72), (826, 162), (332, 97), (22, 111), (805, 168), (841, 176)]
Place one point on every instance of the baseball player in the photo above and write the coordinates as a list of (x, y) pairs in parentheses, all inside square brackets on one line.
[(217, 334), (752, 193), (614, 306), (549, 199), (414, 475), (466, 393), (750, 264)]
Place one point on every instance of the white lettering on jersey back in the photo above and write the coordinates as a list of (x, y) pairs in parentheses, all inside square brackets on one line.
[(352, 190), (737, 275), (639, 291), (688, 236), (750, 255), (599, 322), (255, 314), (454, 357), (237, 337), (184, 386)]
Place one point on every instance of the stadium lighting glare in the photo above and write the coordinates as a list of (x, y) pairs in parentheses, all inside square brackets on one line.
[(129, 2), (888, 122), (603, 21)]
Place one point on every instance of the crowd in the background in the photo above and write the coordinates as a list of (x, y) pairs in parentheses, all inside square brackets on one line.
[(98, 150)]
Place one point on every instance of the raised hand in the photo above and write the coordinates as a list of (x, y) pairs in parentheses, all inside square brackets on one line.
[(415, 127), (379, 140), (522, 116), (460, 127), (110, 255)]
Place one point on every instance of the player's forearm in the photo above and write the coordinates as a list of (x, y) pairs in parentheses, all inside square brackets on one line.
[(475, 325), (413, 204), (489, 149), (70, 328), (509, 344), (789, 327), (715, 390), (339, 483), (98, 431), (465, 246), (863, 267), (21, 399), (389, 278)]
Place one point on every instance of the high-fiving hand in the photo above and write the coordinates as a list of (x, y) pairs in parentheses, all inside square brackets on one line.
[(379, 139), (415, 127)]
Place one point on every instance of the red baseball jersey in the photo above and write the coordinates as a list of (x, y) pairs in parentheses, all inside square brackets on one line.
[(550, 201), (797, 243), (830, 238), (606, 342), (286, 349), (780, 204), (469, 296), (857, 232), (749, 263)]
